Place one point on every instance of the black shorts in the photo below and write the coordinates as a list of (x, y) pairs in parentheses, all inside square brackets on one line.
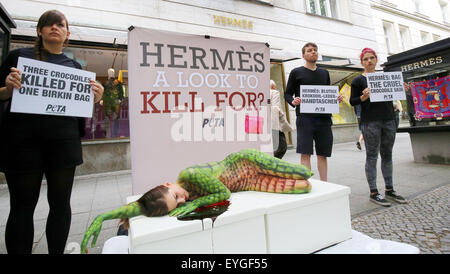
[(317, 129)]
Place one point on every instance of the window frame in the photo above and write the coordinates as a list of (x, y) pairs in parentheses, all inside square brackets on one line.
[(328, 8), (405, 37), (444, 11), (389, 37), (427, 36), (418, 6)]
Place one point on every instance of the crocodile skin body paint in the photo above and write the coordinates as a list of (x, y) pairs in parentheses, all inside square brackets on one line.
[(210, 183)]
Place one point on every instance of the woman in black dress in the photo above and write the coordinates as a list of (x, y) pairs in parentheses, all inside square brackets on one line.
[(33, 145)]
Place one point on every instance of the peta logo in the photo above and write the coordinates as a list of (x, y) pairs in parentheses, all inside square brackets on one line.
[(319, 109), (55, 109)]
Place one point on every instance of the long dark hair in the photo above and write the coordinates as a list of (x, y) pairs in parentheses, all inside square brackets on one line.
[(151, 204), (48, 18)]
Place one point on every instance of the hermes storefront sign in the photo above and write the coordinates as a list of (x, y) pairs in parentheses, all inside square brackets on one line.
[(233, 22)]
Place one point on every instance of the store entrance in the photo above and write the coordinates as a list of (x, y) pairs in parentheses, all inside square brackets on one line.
[(277, 75)]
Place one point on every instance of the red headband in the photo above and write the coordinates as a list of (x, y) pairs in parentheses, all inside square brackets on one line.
[(367, 50)]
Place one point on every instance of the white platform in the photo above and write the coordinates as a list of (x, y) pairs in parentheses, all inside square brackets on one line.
[(240, 229), (166, 235), (255, 222), (304, 223)]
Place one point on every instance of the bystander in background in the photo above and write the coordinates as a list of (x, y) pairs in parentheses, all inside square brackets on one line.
[(280, 125)]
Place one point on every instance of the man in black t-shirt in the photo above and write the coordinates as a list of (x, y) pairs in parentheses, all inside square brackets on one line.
[(311, 127)]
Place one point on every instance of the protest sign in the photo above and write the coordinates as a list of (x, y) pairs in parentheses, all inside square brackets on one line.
[(386, 86), (193, 99), (53, 90), (319, 99)]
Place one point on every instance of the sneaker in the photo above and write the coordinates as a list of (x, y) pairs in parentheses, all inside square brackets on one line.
[(358, 145), (379, 199), (392, 195)]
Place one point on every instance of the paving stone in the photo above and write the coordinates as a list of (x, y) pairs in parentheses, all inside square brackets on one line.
[(423, 222)]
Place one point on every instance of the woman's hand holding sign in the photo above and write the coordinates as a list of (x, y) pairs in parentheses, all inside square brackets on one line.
[(365, 94), (12, 81), (98, 91)]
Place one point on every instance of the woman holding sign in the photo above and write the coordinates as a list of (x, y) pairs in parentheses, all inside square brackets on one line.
[(378, 128), (33, 145)]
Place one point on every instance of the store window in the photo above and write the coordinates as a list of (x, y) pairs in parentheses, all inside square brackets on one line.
[(341, 75), (343, 79), (110, 116), (427, 76)]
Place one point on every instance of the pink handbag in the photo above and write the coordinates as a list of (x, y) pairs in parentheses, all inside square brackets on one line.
[(254, 124)]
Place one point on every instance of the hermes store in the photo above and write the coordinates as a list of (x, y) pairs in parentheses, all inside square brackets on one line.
[(98, 42)]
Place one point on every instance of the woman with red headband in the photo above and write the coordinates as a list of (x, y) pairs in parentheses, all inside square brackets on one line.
[(378, 128)]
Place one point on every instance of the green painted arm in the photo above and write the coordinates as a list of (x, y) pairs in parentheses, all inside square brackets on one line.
[(127, 211), (203, 181)]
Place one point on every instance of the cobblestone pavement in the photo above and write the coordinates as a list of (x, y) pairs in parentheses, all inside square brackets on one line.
[(424, 222)]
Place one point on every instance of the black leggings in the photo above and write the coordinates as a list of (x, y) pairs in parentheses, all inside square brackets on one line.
[(24, 192)]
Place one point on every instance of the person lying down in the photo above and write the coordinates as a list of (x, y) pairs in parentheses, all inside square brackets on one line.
[(210, 183)]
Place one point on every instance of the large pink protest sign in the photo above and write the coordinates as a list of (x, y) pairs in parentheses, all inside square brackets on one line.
[(189, 98)]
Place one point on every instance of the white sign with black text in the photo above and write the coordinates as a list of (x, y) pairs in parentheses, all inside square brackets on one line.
[(319, 99), (386, 86), (53, 90)]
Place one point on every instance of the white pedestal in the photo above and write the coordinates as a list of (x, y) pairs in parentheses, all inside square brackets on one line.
[(168, 235), (303, 223), (255, 222), (240, 229)]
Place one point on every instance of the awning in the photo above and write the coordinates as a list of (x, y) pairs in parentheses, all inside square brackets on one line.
[(278, 55), (79, 33), (5, 18)]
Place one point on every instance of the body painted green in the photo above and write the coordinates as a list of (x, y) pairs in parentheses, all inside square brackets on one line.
[(210, 183)]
